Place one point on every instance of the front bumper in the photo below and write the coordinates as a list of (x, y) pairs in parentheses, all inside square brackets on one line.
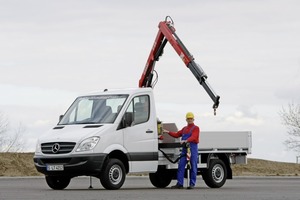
[(75, 165)]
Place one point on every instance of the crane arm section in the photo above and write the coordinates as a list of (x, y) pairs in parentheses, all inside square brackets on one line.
[(166, 33)]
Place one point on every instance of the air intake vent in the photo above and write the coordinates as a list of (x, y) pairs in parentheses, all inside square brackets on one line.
[(58, 127), (92, 126)]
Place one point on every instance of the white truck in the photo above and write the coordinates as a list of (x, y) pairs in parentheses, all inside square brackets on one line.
[(115, 132)]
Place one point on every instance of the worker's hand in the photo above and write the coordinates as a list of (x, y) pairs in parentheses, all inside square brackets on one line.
[(161, 137), (165, 131)]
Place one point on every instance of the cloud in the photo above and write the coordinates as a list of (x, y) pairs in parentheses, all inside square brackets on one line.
[(52, 51), (33, 96), (239, 118), (244, 115), (41, 123)]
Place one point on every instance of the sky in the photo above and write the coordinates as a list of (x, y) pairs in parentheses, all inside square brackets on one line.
[(53, 51)]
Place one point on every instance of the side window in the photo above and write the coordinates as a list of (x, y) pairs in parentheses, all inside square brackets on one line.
[(138, 110), (141, 109)]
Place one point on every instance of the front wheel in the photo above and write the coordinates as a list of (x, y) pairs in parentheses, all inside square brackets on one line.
[(215, 176), (113, 174), (57, 182)]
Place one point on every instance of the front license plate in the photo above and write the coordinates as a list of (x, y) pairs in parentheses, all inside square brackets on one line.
[(55, 168)]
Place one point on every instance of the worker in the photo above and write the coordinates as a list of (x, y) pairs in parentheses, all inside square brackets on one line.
[(189, 134)]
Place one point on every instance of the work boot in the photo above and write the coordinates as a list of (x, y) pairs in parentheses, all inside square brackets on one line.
[(190, 187), (177, 186)]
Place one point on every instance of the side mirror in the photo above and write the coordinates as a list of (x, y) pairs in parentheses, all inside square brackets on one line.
[(60, 118), (127, 120)]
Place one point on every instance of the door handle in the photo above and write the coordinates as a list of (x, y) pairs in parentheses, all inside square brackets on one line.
[(149, 131)]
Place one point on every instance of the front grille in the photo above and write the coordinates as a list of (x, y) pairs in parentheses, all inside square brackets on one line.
[(63, 147)]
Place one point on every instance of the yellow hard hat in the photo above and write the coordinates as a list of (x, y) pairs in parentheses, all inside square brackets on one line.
[(189, 115)]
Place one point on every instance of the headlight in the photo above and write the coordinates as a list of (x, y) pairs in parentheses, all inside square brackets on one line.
[(88, 144)]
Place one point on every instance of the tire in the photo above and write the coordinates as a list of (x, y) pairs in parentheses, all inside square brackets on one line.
[(160, 179), (113, 174), (215, 176), (58, 182)]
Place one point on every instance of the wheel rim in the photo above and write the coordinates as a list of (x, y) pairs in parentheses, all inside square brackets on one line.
[(218, 173), (115, 174)]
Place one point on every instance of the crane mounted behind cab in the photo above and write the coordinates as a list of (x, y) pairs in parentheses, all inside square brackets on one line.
[(166, 33), (112, 133)]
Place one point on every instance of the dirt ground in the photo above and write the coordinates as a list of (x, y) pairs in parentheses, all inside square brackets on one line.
[(258, 167), (21, 164), (17, 164)]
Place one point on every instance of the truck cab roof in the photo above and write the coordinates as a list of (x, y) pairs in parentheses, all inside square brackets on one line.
[(128, 91)]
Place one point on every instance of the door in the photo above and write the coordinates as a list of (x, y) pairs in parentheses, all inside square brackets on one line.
[(140, 137)]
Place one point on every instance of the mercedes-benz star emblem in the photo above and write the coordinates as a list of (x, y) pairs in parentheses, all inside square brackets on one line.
[(55, 148)]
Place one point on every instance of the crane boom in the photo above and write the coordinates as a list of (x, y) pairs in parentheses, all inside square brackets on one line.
[(166, 33)]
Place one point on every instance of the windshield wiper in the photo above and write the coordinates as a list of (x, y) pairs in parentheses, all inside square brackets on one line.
[(86, 123), (74, 123)]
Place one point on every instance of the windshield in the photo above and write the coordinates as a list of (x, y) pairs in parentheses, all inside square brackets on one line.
[(94, 110)]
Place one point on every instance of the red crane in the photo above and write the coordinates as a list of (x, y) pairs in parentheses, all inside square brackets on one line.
[(166, 33)]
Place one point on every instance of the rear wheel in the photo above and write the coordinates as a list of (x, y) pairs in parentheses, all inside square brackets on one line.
[(161, 179), (215, 176), (113, 175), (58, 182)]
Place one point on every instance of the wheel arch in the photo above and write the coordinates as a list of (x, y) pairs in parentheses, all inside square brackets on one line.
[(225, 158), (118, 154)]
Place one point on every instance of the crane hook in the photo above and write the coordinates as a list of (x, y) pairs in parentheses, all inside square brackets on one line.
[(171, 20)]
